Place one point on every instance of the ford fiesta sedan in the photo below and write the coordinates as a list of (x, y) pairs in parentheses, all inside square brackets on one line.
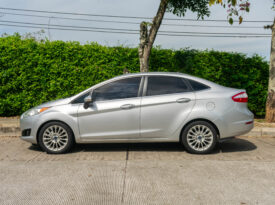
[(143, 107)]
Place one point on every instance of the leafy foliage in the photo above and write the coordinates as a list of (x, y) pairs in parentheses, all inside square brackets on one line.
[(180, 7), (34, 72), (234, 8), (201, 7)]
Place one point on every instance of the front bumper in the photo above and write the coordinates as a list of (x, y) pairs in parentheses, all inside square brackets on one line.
[(29, 123), (30, 139)]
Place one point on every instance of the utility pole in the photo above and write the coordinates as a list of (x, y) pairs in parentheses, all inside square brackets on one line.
[(270, 103)]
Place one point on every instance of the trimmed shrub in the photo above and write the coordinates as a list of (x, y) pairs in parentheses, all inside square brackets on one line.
[(33, 72)]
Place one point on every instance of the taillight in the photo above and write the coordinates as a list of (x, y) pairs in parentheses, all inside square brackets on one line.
[(241, 97)]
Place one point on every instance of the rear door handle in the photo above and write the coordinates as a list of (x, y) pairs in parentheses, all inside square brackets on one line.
[(127, 106), (183, 100)]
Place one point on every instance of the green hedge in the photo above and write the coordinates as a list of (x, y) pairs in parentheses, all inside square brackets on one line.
[(34, 72)]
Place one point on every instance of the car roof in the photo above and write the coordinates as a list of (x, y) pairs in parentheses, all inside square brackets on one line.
[(175, 74), (152, 73)]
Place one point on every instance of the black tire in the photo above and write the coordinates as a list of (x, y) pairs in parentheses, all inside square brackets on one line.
[(209, 147), (70, 138)]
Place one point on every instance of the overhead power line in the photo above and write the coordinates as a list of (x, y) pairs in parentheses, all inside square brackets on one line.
[(127, 22), (211, 26), (127, 30), (69, 18), (116, 16), (135, 33)]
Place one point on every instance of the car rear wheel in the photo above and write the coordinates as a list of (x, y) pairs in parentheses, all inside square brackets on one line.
[(55, 138), (199, 137)]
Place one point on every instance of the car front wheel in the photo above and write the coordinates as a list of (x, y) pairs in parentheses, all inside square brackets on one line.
[(199, 137), (55, 138)]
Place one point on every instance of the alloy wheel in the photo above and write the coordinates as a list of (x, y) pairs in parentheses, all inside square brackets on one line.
[(55, 138), (200, 137)]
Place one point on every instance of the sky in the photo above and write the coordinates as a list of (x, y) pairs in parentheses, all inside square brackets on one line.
[(260, 10)]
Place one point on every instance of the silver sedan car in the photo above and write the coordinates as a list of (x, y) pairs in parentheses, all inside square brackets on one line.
[(143, 107)]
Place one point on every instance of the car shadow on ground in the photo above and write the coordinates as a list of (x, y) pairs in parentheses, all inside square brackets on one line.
[(232, 145), (237, 145)]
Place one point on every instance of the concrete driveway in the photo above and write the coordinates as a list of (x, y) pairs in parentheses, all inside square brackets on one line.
[(240, 171)]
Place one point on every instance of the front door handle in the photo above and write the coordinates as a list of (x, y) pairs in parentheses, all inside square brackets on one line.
[(127, 106), (183, 100)]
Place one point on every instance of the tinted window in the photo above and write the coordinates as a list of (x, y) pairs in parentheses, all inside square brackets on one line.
[(197, 86), (160, 85), (125, 88)]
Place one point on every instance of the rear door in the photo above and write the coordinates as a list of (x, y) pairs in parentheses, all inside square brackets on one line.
[(166, 103)]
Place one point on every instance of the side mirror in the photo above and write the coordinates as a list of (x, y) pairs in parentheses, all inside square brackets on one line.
[(88, 101)]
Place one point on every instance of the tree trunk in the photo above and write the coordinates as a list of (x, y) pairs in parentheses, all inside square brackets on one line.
[(147, 39), (143, 51), (270, 103)]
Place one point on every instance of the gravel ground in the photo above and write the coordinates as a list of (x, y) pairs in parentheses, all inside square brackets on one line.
[(240, 171)]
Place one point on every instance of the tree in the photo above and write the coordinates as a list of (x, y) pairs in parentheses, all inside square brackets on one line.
[(270, 102), (149, 30)]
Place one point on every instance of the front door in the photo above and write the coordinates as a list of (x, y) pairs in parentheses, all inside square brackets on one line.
[(115, 112)]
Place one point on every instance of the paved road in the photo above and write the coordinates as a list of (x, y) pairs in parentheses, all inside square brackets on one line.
[(240, 171)]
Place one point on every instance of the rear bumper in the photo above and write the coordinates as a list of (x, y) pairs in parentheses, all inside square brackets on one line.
[(240, 128), (237, 128), (236, 121)]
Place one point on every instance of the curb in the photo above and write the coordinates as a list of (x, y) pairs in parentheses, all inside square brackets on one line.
[(261, 132), (10, 131), (9, 127)]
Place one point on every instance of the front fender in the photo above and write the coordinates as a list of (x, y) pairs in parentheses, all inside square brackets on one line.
[(63, 113)]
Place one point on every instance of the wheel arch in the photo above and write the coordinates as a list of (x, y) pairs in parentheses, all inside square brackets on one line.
[(40, 127), (200, 119)]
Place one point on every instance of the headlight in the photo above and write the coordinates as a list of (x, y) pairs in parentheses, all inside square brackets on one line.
[(34, 111)]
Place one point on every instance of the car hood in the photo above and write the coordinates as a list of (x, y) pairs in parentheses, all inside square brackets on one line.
[(55, 103)]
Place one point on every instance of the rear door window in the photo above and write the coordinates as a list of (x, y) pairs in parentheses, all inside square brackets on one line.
[(161, 85)]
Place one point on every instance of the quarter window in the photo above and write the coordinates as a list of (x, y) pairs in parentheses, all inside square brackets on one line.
[(81, 98), (197, 86), (160, 85), (120, 89)]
